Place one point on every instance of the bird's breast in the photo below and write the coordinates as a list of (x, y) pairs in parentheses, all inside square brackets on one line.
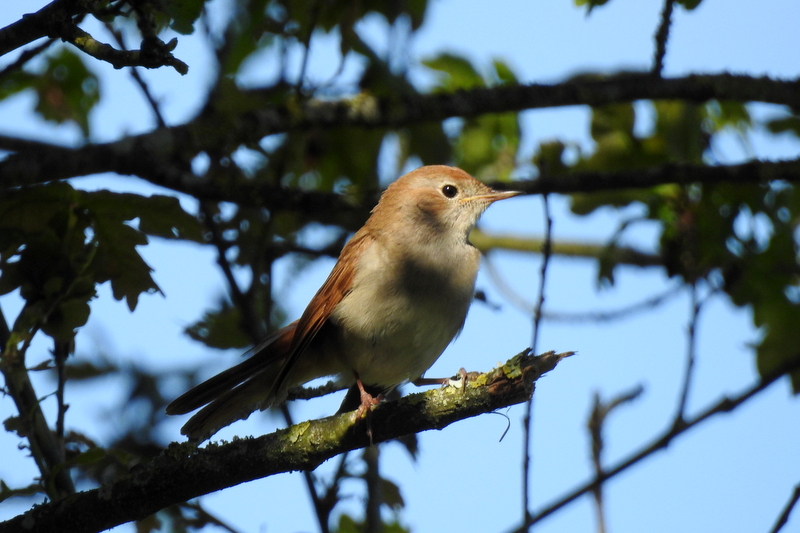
[(403, 310)]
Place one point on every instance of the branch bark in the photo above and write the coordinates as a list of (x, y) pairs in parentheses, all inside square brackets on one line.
[(44, 23), (183, 472), (164, 155)]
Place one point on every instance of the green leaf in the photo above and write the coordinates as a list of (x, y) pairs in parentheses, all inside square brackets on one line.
[(790, 124), (117, 261), (428, 142), (503, 73), (183, 13), (347, 524), (549, 158), (160, 216), (612, 120), (689, 4), (679, 126), (67, 90), (220, 328), (728, 115), (15, 82), (777, 349), (457, 72), (590, 4), (487, 146), (84, 370), (67, 317), (391, 494)]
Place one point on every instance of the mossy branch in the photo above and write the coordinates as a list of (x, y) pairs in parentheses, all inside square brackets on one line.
[(183, 471)]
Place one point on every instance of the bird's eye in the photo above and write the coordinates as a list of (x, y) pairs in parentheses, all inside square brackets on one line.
[(449, 190)]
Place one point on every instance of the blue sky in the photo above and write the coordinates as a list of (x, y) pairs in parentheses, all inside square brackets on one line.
[(734, 473)]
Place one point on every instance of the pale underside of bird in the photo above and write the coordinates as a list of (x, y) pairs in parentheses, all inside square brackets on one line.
[(397, 296)]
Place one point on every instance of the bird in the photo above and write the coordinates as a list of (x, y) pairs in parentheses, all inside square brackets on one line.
[(397, 296)]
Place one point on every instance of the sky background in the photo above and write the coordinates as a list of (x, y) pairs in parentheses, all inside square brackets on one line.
[(734, 473)]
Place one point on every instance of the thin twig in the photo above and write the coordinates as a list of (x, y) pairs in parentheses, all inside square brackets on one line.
[(661, 442), (600, 412), (615, 314), (24, 57), (784, 517), (250, 323), (621, 313), (308, 393), (60, 353), (537, 318), (661, 37), (316, 8), (691, 348), (595, 425), (138, 79), (204, 517)]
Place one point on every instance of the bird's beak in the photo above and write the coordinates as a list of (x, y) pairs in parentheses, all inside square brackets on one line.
[(492, 196)]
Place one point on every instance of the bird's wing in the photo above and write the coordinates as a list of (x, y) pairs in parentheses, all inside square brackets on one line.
[(335, 288)]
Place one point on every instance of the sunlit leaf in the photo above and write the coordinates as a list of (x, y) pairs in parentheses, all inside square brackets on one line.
[(456, 72)]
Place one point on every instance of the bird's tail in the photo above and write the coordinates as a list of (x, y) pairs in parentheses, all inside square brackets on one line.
[(235, 393)]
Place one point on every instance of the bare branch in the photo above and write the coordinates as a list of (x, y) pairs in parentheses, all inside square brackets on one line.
[(691, 349), (725, 405), (527, 458), (615, 314), (784, 517), (661, 37), (600, 412)]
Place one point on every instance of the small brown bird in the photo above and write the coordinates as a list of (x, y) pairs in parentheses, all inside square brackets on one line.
[(396, 297)]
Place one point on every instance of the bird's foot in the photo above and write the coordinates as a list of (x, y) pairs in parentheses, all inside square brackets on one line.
[(459, 380)]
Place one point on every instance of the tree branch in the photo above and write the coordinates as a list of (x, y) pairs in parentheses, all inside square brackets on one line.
[(183, 472), (163, 156), (661, 442), (662, 34), (43, 23), (486, 242), (784, 517), (752, 172)]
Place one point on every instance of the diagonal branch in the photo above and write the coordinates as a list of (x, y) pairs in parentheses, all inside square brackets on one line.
[(43, 23), (183, 472), (661, 442), (784, 517)]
